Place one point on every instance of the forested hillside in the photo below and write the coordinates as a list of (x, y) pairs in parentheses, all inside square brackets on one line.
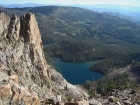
[(80, 22)]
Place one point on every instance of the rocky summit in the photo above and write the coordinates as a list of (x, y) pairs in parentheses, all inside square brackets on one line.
[(25, 76)]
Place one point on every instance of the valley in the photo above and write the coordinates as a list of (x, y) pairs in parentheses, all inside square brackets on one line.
[(78, 35)]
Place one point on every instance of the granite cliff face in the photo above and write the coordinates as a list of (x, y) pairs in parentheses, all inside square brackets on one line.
[(21, 56), (25, 77)]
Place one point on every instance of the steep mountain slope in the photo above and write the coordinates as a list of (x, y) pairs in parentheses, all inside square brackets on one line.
[(89, 23), (25, 77)]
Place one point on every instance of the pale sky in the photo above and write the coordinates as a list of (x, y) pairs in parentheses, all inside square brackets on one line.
[(120, 2)]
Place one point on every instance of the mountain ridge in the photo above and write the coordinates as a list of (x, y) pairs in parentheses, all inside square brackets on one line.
[(64, 13)]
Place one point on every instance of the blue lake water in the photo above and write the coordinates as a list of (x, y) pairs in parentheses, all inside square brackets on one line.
[(76, 73)]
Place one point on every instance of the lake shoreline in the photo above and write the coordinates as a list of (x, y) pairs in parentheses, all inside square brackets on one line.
[(76, 72)]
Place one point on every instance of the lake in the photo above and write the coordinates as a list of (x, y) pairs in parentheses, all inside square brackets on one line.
[(76, 73)]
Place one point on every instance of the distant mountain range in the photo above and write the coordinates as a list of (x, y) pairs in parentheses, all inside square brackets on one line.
[(127, 17), (21, 5), (131, 13)]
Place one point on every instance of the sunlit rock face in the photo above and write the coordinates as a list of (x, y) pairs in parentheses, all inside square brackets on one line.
[(22, 59)]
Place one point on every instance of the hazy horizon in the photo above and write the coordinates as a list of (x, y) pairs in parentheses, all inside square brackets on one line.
[(74, 2)]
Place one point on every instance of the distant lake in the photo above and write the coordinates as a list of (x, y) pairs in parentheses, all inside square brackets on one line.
[(76, 73)]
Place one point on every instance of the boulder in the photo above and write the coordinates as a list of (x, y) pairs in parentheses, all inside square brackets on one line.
[(127, 102), (94, 102), (131, 91), (111, 99)]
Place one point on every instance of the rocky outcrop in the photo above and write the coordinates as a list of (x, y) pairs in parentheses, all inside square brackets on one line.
[(4, 22), (21, 57), (14, 94), (25, 77), (134, 76), (124, 96)]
